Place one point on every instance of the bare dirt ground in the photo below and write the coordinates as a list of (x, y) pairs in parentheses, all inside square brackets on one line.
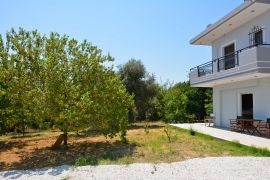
[(35, 152)]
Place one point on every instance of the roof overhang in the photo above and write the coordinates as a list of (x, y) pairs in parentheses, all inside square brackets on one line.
[(239, 16)]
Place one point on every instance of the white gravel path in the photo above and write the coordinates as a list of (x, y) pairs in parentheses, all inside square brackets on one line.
[(202, 168)]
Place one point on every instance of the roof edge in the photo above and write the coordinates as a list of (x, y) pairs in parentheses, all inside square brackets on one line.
[(225, 18)]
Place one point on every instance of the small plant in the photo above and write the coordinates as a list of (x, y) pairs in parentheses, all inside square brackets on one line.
[(146, 127), (86, 161), (155, 168), (168, 133), (192, 131)]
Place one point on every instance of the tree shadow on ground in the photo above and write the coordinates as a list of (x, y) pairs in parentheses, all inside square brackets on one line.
[(25, 136), (7, 145), (87, 133), (137, 126), (45, 157)]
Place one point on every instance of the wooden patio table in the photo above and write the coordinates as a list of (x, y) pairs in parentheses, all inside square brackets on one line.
[(249, 125)]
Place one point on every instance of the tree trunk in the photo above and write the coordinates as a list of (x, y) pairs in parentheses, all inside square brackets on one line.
[(62, 138), (58, 142), (65, 129), (23, 127), (130, 115), (65, 138)]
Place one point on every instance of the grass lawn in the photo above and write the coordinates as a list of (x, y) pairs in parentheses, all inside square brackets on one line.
[(146, 144)]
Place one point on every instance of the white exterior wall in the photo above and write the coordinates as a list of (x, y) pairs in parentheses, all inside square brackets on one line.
[(227, 95), (240, 36), (227, 100)]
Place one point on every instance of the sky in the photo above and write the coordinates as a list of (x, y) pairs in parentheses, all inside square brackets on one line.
[(157, 32)]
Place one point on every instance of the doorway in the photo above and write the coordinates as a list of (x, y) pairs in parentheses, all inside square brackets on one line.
[(247, 106)]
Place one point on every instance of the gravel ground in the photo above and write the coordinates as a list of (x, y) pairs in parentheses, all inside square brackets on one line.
[(200, 168)]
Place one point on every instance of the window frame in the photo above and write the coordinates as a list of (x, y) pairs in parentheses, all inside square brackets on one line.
[(252, 35)]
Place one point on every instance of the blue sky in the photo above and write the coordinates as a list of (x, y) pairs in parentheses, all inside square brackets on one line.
[(156, 31)]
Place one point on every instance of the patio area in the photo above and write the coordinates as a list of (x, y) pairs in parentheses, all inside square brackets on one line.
[(228, 135)]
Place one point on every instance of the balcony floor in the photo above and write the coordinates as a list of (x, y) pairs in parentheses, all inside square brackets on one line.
[(250, 63), (213, 80)]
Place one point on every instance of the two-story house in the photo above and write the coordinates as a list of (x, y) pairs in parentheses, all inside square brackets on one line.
[(239, 71)]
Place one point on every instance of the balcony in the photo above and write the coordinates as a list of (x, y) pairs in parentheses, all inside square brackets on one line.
[(250, 62)]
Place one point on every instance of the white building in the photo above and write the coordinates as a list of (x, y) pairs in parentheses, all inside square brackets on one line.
[(240, 70)]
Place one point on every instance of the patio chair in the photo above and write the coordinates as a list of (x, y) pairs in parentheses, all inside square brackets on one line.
[(209, 120), (264, 128), (235, 125)]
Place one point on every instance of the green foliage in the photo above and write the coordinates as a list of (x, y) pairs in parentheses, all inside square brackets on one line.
[(178, 103), (175, 106), (92, 161), (20, 70), (183, 103), (234, 148), (208, 101), (59, 80), (146, 127), (144, 88), (105, 157), (4, 103)]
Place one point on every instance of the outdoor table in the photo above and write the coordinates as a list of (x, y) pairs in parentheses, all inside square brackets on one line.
[(249, 125)]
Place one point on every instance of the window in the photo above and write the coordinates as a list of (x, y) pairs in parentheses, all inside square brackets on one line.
[(256, 36), (229, 55)]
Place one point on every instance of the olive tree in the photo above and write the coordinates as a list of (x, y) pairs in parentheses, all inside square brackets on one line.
[(143, 86)]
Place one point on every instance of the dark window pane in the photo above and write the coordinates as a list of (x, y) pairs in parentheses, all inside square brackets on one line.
[(247, 106), (229, 53), (258, 36)]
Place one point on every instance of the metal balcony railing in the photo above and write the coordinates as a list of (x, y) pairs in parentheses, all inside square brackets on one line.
[(223, 63), (227, 62), (205, 69)]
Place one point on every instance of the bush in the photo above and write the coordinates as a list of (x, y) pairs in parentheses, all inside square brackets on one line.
[(192, 132), (175, 106), (183, 103)]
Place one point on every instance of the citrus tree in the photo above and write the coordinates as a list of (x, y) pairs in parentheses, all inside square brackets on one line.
[(21, 66), (58, 79), (80, 91)]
